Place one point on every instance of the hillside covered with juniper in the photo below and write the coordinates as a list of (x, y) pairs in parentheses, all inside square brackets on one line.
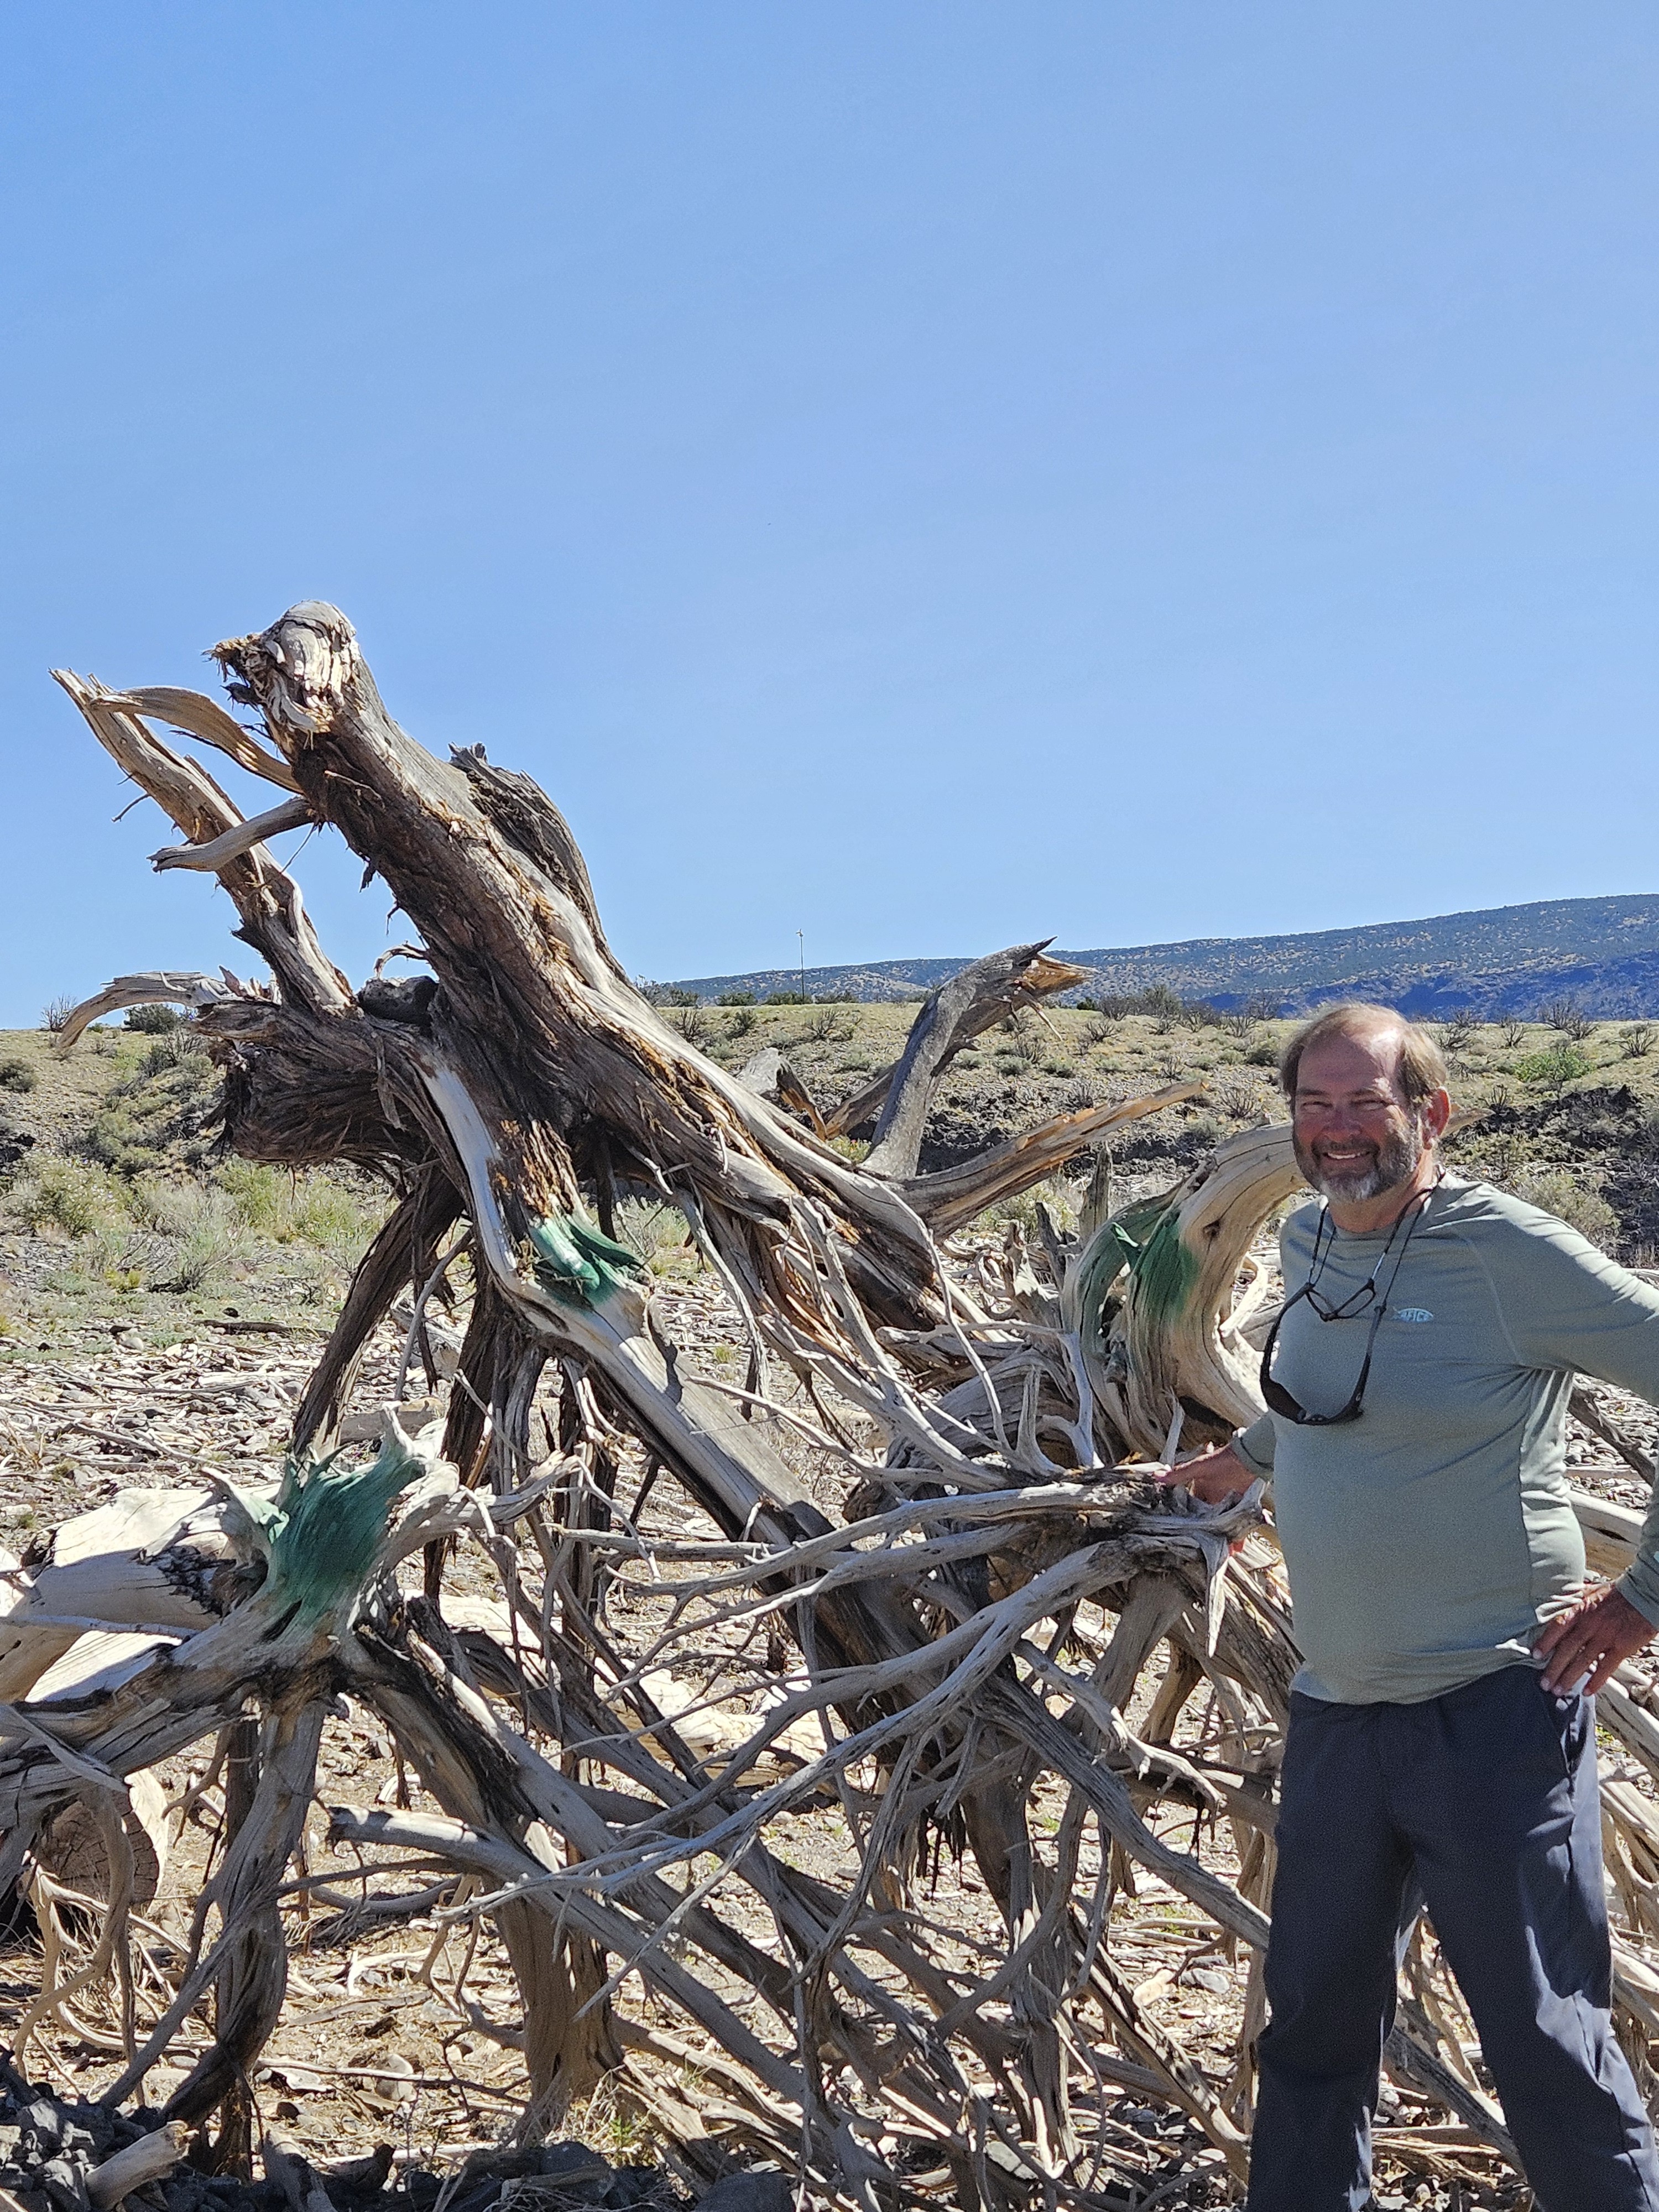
[(1498, 960)]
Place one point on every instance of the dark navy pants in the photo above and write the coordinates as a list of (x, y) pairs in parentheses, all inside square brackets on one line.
[(1484, 1803)]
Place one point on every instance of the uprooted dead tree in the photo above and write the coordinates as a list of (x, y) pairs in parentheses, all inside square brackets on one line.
[(967, 1643)]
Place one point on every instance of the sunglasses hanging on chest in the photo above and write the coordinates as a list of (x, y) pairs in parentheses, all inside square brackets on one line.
[(1277, 1398)]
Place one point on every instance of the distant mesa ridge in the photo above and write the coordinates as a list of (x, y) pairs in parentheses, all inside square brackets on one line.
[(1504, 960)]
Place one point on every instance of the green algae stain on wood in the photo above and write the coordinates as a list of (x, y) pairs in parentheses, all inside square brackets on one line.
[(577, 1264), (1166, 1272), (329, 1523), (1143, 1239)]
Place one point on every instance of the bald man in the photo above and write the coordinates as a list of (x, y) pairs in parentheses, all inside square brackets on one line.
[(1442, 1744)]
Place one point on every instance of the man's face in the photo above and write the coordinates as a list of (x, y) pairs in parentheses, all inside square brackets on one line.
[(1355, 1136)]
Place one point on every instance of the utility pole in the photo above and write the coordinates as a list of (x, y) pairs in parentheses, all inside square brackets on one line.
[(801, 934)]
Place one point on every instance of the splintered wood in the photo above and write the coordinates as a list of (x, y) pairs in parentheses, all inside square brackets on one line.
[(860, 1762)]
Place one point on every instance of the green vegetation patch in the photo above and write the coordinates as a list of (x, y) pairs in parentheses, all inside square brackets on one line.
[(167, 1111), (72, 1196), (1554, 1069)]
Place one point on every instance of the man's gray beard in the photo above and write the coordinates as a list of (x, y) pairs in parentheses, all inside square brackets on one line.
[(1396, 1161)]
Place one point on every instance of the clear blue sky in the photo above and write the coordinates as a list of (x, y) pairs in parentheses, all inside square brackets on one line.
[(922, 474)]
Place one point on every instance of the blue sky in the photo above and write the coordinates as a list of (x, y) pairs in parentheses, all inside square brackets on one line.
[(924, 475)]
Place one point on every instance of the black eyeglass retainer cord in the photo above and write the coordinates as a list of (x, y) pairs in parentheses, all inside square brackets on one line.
[(1276, 1396)]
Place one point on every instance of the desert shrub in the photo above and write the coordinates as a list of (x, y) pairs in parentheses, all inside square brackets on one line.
[(1054, 1196), (855, 1063), (1243, 1021), (122, 1256), (1635, 1042), (743, 1020), (72, 1195), (1552, 1069), (1097, 1031), (199, 1260), (835, 998), (176, 1206), (1166, 1007), (670, 995), (261, 1197), (1568, 1017), (178, 1047), (827, 1027), (338, 1217), (166, 1111), (1457, 1029), (659, 1234), (787, 998), (16, 1075), (1057, 1067), (1262, 1052), (54, 1015), (197, 1230), (693, 1022), (1241, 1097), (153, 1021), (735, 998), (1513, 1033), (1578, 1203), (1018, 1036)]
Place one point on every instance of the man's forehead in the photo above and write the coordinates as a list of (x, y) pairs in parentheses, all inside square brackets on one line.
[(1351, 1061)]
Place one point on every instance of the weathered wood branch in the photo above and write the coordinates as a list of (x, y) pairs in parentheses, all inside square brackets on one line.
[(1583, 1408), (231, 844), (198, 716), (160, 987), (950, 1199), (959, 1010), (400, 1258), (274, 920), (152, 2158), (1027, 988)]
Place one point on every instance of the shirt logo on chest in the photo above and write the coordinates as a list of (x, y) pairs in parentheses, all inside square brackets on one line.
[(1413, 1313)]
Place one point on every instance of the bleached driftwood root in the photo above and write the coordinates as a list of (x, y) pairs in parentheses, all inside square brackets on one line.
[(996, 1649), (151, 2159)]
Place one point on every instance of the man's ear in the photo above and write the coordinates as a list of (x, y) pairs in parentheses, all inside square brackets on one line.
[(1437, 1112)]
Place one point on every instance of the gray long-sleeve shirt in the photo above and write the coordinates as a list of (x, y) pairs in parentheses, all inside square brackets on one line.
[(1428, 1541)]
